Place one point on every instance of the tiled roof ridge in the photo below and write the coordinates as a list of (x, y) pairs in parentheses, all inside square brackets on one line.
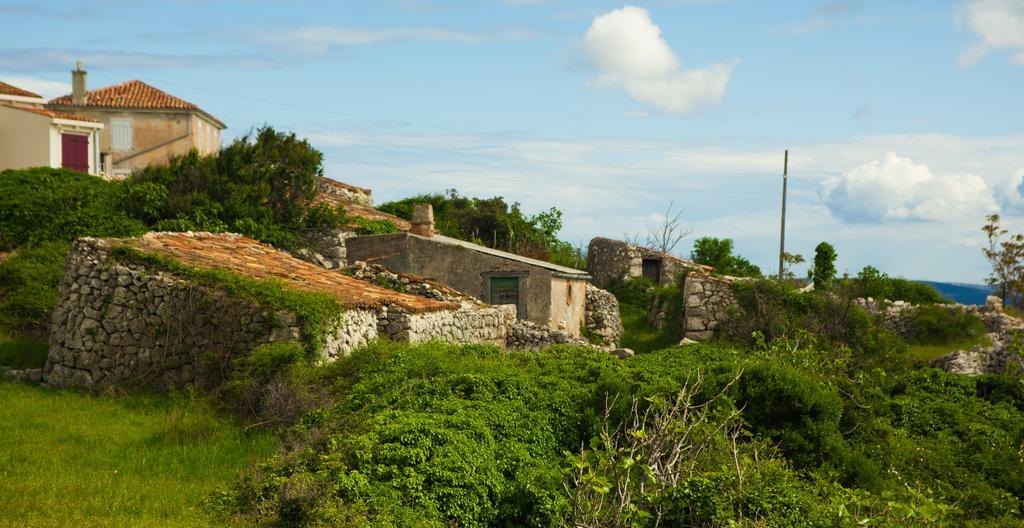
[(10, 89), (157, 97)]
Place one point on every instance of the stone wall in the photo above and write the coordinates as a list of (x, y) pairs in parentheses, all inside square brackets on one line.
[(385, 278), (125, 325), (602, 316), (473, 324), (611, 261), (328, 251), (524, 335), (344, 191), (707, 302)]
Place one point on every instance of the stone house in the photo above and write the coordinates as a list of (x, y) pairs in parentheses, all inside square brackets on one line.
[(610, 261), (121, 322), (34, 136), (142, 124), (543, 293)]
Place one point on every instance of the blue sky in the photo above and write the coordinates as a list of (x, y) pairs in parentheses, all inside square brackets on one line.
[(903, 118)]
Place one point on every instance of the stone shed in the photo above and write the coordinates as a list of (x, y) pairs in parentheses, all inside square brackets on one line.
[(125, 318), (610, 261), (543, 293)]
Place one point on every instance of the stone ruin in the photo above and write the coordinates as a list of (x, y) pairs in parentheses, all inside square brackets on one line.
[(1003, 331), (136, 322), (614, 261), (121, 322)]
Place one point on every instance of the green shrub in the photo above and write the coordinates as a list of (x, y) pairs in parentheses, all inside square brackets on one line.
[(42, 205), (870, 282), (28, 287), (937, 325), (22, 352)]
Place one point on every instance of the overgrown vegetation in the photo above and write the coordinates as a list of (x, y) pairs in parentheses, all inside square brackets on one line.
[(785, 435), (28, 287), (640, 298), (495, 223), (718, 252), (870, 282)]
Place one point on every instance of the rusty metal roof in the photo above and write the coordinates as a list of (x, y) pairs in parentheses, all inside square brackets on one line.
[(248, 257)]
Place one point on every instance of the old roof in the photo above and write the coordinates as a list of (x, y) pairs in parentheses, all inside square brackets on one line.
[(329, 182), (54, 114), (8, 89), (254, 259), (131, 94), (506, 255)]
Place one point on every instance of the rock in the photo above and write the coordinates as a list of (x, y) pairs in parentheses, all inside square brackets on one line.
[(994, 303), (687, 341), (623, 353)]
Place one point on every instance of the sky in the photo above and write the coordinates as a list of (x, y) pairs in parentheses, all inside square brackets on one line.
[(904, 119)]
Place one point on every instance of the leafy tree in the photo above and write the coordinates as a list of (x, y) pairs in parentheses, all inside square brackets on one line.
[(788, 261), (824, 266), (717, 252), (1006, 255), (870, 282), (495, 223)]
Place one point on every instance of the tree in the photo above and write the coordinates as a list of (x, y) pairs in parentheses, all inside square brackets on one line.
[(717, 252), (665, 234), (1006, 255), (788, 261), (824, 266)]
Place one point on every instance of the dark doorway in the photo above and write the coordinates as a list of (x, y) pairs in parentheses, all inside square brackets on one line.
[(75, 152), (652, 269), (505, 290)]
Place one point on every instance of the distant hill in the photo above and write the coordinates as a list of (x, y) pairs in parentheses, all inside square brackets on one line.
[(962, 293)]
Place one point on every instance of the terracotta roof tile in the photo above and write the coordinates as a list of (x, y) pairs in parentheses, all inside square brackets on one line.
[(130, 94), (7, 89), (54, 114), (254, 259), (360, 210)]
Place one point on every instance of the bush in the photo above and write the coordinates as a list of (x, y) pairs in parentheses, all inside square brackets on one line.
[(28, 287), (43, 205), (937, 325), (272, 384), (871, 282)]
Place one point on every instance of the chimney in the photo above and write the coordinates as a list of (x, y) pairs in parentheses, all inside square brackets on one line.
[(78, 84), (423, 220)]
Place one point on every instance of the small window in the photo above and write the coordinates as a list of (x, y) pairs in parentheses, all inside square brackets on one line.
[(120, 135), (652, 269), (568, 294)]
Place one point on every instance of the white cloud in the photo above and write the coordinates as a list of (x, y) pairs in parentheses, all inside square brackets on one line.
[(998, 23), (47, 89), (626, 48), (897, 189), (1010, 193)]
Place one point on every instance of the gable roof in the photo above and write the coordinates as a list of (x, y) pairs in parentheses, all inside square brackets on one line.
[(9, 89), (254, 259), (132, 94), (562, 270)]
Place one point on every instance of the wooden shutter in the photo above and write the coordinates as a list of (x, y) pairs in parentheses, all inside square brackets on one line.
[(75, 152)]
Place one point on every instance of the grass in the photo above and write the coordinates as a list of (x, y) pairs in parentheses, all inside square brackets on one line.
[(70, 459), (21, 352), (640, 335), (927, 353)]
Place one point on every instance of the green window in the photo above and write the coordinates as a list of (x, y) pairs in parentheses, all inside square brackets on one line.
[(505, 290)]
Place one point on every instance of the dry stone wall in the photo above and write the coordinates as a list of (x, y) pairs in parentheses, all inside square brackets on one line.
[(611, 261), (524, 335), (707, 302), (470, 324), (602, 316), (117, 324)]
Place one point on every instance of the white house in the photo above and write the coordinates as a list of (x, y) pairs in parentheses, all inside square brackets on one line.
[(34, 136)]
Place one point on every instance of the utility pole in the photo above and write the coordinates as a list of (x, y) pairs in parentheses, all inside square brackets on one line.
[(782, 235)]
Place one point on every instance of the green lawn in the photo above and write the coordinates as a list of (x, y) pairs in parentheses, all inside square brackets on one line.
[(926, 353), (68, 459), (640, 335)]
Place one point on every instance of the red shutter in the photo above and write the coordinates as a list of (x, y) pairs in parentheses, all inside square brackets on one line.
[(75, 152)]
